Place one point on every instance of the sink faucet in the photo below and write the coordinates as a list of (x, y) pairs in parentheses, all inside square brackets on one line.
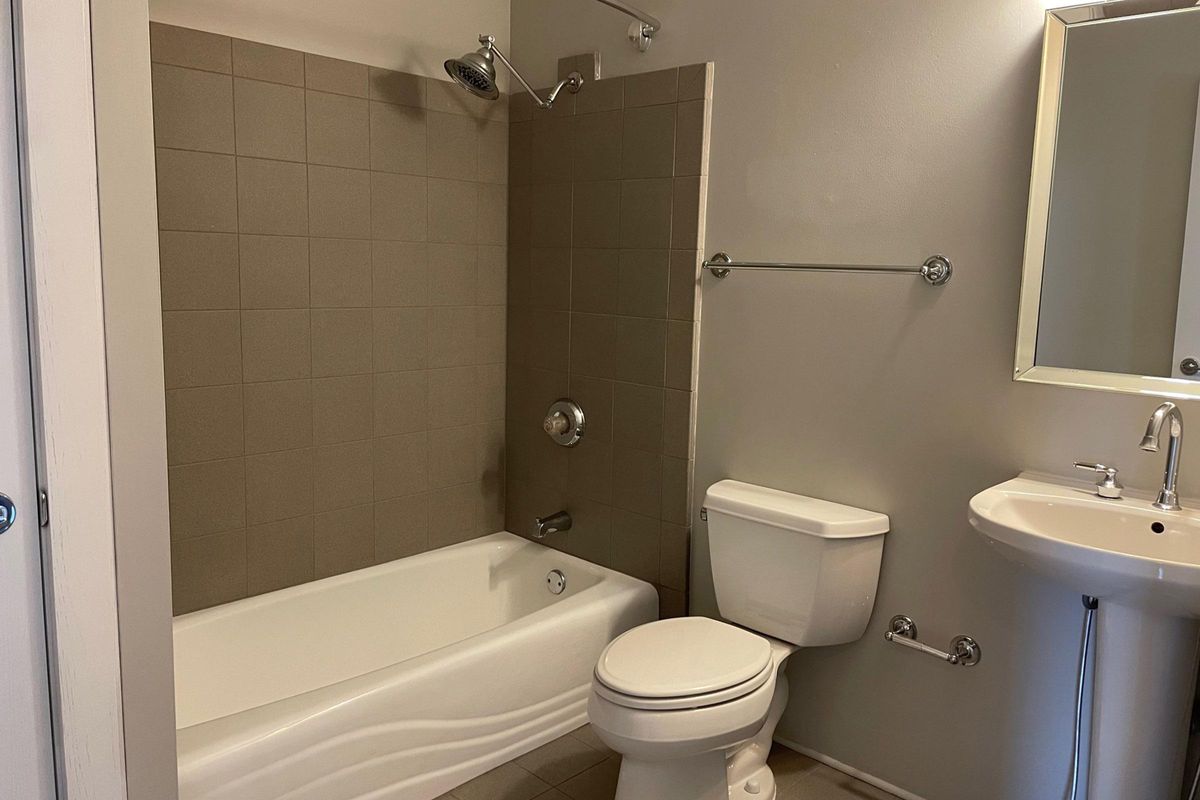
[(555, 523), (1168, 496)]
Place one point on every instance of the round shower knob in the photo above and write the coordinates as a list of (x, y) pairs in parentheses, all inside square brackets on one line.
[(564, 422)]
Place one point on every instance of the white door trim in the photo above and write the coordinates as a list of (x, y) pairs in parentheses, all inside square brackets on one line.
[(54, 58)]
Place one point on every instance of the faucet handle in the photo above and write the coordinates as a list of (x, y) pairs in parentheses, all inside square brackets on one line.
[(1108, 485)]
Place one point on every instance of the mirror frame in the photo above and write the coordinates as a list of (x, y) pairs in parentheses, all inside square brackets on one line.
[(1054, 48)]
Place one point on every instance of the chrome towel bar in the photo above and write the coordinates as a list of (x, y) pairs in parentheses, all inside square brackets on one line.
[(935, 271), (963, 649)]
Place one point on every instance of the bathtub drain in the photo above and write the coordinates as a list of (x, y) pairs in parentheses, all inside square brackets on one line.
[(556, 582)]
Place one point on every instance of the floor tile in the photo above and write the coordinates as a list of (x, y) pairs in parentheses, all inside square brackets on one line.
[(560, 760), (505, 782)]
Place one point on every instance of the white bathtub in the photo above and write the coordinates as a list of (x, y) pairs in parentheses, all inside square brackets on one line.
[(399, 681)]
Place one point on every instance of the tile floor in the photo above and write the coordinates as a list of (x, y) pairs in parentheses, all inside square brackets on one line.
[(579, 766)]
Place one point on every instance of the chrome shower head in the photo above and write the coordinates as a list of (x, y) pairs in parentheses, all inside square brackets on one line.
[(475, 72)]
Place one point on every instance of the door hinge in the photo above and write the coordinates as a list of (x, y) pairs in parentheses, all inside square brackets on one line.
[(43, 508)]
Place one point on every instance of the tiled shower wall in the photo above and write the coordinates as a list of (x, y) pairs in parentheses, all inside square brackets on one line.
[(333, 283), (606, 216)]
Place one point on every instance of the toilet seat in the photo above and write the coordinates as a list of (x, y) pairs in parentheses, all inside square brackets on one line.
[(690, 662)]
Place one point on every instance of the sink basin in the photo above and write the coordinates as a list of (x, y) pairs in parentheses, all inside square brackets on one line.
[(1123, 550), (1143, 565)]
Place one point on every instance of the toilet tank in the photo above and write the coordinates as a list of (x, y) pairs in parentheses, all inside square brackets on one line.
[(793, 567)]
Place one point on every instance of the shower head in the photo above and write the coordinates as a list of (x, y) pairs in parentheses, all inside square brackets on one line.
[(475, 72)]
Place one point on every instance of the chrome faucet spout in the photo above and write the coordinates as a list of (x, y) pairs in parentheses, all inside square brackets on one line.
[(1168, 496), (555, 523)]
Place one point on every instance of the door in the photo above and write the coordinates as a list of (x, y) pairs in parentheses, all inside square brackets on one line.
[(26, 746)]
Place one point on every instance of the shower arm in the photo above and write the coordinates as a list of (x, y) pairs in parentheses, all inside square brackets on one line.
[(573, 81)]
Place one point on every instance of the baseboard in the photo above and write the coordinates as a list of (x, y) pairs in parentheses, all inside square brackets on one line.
[(849, 770)]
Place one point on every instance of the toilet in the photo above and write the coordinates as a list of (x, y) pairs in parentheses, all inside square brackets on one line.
[(691, 704)]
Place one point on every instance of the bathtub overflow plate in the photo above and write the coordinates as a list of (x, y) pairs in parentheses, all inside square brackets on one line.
[(556, 582)]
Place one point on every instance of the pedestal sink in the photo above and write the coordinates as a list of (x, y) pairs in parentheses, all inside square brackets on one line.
[(1144, 566)]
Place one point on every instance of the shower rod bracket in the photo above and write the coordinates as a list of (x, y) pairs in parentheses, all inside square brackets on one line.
[(964, 650), (935, 271)]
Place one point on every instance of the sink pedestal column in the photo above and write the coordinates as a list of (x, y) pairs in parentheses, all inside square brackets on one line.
[(1145, 677)]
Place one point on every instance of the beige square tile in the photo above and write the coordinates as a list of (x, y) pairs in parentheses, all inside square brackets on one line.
[(520, 210), (691, 154), (561, 759), (646, 213), (275, 345), (453, 146), (264, 62), (687, 213), (648, 142), (270, 120), (491, 288), (638, 416), (594, 345), (459, 519), (272, 197), (209, 497), (451, 337), (550, 277), (401, 402), (279, 486), (453, 209), (193, 110), (493, 152), (338, 130), (339, 202), (274, 271), (681, 354), (490, 336), (452, 269), (548, 219), (341, 341), (345, 540), (401, 465), (594, 281), (208, 571), (695, 82), (343, 475), (506, 782), (399, 274), (641, 350), (597, 215), (397, 87), (553, 148), (597, 783), (185, 47), (398, 139), (684, 296), (401, 339), (596, 395), (279, 554), (196, 191), (676, 491), (591, 536), (491, 382), (642, 284), (520, 153), (589, 471), (340, 273), (597, 147), (342, 409), (399, 207), (453, 456), (279, 416), (401, 527), (635, 545), (333, 75), (637, 483), (517, 290), (204, 424), (491, 222), (198, 270), (201, 348), (606, 94), (677, 424), (652, 88)]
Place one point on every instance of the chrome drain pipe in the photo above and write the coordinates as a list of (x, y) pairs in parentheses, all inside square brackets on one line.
[(1089, 604)]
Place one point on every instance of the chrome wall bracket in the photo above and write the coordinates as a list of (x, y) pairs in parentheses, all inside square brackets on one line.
[(963, 649)]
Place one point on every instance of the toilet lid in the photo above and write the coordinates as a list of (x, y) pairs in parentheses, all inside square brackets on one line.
[(682, 657)]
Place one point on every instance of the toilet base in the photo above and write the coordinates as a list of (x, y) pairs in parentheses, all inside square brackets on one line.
[(760, 785)]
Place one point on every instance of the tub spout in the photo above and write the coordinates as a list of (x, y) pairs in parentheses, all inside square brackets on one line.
[(555, 523)]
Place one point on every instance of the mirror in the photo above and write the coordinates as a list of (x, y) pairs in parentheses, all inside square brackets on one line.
[(1111, 290)]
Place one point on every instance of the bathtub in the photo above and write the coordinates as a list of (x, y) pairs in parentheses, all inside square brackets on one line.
[(399, 681)]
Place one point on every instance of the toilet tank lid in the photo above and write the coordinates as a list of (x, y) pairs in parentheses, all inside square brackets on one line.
[(793, 512)]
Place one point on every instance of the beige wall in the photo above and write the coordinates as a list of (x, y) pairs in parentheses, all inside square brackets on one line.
[(864, 131), (333, 278), (413, 36), (1120, 200), (607, 207)]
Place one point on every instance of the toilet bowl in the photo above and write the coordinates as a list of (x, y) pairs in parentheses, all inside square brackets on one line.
[(691, 704)]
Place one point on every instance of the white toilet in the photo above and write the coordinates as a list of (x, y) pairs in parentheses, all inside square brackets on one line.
[(691, 704)]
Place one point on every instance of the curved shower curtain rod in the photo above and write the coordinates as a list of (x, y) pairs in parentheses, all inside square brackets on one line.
[(642, 30)]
